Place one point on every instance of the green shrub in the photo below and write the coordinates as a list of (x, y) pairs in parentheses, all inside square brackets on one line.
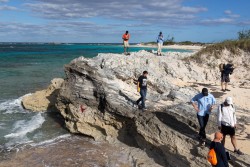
[(244, 34)]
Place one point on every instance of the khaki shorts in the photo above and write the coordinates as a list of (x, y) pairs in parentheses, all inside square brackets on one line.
[(126, 44)]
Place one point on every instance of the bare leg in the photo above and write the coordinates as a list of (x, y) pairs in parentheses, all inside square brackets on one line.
[(226, 84), (222, 83), (233, 140)]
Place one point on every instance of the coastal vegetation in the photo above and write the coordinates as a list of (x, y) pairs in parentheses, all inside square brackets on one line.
[(233, 46)]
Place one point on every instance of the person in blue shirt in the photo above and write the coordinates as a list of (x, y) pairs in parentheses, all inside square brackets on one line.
[(203, 104), (160, 41)]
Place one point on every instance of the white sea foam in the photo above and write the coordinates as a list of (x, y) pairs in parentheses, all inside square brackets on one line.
[(50, 141), (2, 125), (12, 106), (22, 127)]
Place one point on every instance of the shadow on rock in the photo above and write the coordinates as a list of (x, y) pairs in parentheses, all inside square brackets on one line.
[(175, 124)]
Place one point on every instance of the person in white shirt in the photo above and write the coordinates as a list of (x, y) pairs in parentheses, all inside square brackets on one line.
[(227, 122)]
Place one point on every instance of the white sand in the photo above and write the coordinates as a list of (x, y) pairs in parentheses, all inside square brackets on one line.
[(185, 47), (240, 97)]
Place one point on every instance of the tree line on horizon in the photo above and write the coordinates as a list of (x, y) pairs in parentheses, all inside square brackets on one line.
[(242, 35)]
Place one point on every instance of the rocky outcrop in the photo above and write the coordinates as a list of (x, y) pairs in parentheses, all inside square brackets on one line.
[(97, 100), (45, 99)]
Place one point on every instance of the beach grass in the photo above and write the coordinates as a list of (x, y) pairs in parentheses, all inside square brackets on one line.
[(215, 50)]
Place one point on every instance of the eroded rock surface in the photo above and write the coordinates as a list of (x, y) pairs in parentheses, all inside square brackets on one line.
[(45, 99), (97, 99)]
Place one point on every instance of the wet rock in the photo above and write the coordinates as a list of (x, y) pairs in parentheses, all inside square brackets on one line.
[(45, 99)]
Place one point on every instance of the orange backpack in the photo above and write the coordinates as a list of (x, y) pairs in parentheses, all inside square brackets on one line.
[(211, 157)]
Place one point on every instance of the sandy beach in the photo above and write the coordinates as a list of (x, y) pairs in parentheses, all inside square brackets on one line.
[(185, 47)]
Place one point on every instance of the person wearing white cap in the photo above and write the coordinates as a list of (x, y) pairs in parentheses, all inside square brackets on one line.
[(227, 122)]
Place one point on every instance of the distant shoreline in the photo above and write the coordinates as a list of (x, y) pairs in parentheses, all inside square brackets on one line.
[(185, 47)]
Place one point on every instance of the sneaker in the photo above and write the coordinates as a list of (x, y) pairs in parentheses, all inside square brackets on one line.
[(238, 152), (227, 90)]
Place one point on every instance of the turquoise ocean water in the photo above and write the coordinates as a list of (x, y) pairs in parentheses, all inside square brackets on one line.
[(25, 68)]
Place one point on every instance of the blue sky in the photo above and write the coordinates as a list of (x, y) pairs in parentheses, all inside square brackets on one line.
[(106, 21)]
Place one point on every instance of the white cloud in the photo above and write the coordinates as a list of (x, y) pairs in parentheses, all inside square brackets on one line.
[(217, 21), (245, 23), (168, 11), (231, 14), (193, 10), (6, 7), (4, 1), (228, 12)]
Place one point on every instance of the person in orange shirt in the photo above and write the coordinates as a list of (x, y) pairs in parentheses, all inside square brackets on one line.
[(125, 38)]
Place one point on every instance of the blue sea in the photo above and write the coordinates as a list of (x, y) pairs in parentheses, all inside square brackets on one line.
[(28, 67)]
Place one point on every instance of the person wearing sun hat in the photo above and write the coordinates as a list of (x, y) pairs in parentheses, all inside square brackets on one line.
[(227, 122)]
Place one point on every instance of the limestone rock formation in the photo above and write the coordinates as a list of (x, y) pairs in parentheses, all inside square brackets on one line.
[(97, 100), (45, 99)]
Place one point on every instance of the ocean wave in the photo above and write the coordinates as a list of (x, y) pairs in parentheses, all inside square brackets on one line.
[(12, 106), (22, 127), (2, 125), (51, 141)]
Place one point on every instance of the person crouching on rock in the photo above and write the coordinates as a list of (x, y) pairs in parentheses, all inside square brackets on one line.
[(227, 70), (203, 104), (142, 89), (227, 122)]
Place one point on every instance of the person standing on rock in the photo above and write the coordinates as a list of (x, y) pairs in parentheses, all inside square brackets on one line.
[(203, 104), (227, 122), (160, 41), (142, 89), (219, 149), (126, 38)]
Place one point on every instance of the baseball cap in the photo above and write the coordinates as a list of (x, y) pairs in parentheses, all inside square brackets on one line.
[(205, 92), (229, 100)]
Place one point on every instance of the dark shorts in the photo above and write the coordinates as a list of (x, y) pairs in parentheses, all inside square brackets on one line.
[(227, 130), (225, 78)]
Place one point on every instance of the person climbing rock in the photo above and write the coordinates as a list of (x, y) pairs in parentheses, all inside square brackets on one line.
[(219, 149), (142, 89), (203, 104), (227, 122)]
